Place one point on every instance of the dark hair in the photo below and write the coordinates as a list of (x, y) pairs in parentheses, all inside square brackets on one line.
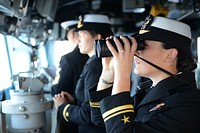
[(92, 33), (184, 63), (103, 34)]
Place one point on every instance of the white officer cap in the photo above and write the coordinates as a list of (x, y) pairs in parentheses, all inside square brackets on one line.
[(97, 22), (168, 31)]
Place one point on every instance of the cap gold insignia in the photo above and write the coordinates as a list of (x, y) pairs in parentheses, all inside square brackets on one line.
[(158, 106), (80, 23), (142, 29), (125, 119), (67, 28), (147, 20), (145, 24)]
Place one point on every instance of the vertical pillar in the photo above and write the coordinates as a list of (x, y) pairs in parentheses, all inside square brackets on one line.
[(2, 121)]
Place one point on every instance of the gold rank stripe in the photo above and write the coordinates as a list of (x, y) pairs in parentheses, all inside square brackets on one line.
[(117, 110), (64, 111), (95, 104), (118, 113)]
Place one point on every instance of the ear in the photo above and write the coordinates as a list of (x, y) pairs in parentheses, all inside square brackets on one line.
[(73, 34), (171, 54)]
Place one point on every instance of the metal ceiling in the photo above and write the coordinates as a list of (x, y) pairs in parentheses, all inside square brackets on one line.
[(31, 16)]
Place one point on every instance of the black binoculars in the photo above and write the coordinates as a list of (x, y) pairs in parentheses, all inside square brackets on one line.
[(101, 49)]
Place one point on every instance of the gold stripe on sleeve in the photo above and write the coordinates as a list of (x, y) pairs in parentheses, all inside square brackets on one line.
[(117, 109), (95, 104), (65, 113), (118, 113)]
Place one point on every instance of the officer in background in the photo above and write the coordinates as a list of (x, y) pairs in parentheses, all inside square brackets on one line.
[(91, 27), (71, 65)]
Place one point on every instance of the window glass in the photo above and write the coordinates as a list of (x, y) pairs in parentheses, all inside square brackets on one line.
[(61, 48), (5, 73)]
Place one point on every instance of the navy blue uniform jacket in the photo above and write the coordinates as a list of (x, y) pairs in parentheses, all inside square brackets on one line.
[(172, 106), (71, 66), (80, 113)]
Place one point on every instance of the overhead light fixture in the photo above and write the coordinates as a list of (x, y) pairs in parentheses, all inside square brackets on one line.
[(175, 1), (135, 6)]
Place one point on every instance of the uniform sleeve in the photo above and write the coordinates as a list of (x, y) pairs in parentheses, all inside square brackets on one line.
[(118, 113), (180, 115), (78, 114), (95, 98), (81, 113)]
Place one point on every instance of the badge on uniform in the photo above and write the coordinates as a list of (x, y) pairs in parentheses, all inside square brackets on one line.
[(158, 106)]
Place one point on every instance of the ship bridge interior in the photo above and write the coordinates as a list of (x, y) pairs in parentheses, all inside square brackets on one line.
[(33, 41)]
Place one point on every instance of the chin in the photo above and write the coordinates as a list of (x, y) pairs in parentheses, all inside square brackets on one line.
[(139, 72), (81, 51), (136, 71)]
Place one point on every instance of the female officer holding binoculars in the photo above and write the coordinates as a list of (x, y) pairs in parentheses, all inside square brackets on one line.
[(169, 102)]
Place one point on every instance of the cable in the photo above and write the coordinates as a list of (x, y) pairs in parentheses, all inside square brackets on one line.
[(159, 68)]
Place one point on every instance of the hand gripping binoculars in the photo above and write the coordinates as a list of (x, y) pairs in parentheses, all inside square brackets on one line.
[(101, 49)]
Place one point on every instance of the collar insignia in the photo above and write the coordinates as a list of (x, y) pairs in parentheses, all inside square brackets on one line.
[(158, 106)]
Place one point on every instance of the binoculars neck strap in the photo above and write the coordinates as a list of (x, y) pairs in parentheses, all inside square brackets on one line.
[(159, 68), (165, 71)]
